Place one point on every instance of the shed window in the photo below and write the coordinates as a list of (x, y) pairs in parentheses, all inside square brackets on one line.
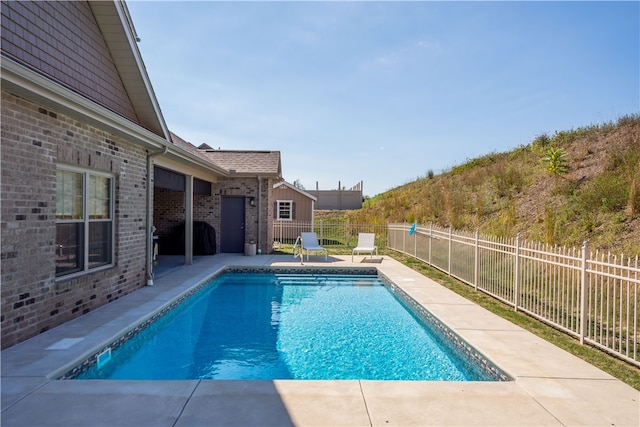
[(84, 221), (284, 210)]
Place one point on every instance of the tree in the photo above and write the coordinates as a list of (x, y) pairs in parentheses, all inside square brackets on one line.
[(298, 184)]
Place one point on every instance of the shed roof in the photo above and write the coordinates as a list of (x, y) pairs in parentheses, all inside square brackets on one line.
[(293, 187)]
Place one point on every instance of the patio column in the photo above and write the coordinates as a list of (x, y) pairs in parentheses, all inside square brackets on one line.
[(188, 220)]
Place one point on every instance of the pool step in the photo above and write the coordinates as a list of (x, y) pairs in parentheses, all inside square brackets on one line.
[(311, 280)]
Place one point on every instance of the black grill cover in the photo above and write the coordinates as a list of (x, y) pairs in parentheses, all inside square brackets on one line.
[(204, 240)]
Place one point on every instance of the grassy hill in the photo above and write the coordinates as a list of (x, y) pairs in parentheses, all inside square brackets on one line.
[(560, 189)]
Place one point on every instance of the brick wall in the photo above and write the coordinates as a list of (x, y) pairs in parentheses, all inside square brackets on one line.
[(168, 210), (34, 141), (268, 213)]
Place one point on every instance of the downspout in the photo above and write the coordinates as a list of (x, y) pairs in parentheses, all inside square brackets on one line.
[(150, 227)]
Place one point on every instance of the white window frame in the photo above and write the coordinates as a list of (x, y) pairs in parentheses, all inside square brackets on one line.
[(279, 207), (86, 221)]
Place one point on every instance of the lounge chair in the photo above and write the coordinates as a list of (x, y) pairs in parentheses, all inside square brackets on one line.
[(310, 244), (366, 243)]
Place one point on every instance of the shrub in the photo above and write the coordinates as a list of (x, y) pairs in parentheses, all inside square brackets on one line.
[(630, 119), (555, 162), (607, 192), (541, 142)]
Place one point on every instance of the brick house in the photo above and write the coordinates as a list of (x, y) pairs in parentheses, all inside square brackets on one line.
[(239, 201), (86, 159)]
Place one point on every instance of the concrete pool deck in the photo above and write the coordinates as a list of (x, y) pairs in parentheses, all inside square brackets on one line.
[(550, 387)]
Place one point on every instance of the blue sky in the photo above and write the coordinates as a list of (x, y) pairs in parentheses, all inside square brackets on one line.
[(383, 92)]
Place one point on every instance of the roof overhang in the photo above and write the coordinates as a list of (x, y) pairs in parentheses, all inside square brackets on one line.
[(33, 86), (119, 34)]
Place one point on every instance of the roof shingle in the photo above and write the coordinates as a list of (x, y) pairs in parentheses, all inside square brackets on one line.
[(239, 162)]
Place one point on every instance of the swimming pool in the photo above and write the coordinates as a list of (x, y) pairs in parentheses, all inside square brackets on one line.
[(274, 324)]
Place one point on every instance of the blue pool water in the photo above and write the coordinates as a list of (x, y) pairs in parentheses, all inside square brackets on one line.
[(286, 326)]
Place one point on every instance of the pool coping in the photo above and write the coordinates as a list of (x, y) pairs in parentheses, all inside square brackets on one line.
[(451, 340), (550, 386)]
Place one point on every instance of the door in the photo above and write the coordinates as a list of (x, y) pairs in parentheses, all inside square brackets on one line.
[(232, 225)]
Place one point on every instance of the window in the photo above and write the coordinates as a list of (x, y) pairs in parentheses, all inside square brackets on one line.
[(284, 210), (84, 221)]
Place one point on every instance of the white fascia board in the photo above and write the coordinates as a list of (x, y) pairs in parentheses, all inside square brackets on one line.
[(129, 30)]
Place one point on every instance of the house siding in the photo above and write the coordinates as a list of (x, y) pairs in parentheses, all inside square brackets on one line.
[(34, 142), (303, 204), (62, 40)]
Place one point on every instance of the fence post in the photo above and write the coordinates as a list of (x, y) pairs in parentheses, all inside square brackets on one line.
[(583, 292), (404, 237), (516, 278), (347, 235), (476, 261), (430, 240), (415, 244), (449, 260)]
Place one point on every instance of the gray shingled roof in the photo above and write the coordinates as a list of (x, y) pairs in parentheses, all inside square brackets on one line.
[(239, 162), (265, 163), (186, 146)]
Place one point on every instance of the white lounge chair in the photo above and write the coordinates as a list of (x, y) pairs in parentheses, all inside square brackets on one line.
[(366, 243), (310, 244)]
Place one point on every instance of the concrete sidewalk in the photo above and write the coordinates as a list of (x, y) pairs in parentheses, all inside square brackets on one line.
[(550, 387)]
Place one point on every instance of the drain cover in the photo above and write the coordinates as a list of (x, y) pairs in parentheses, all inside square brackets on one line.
[(64, 343)]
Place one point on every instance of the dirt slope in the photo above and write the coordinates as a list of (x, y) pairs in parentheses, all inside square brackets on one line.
[(597, 199)]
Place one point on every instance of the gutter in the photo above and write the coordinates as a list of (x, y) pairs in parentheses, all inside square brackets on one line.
[(150, 227)]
